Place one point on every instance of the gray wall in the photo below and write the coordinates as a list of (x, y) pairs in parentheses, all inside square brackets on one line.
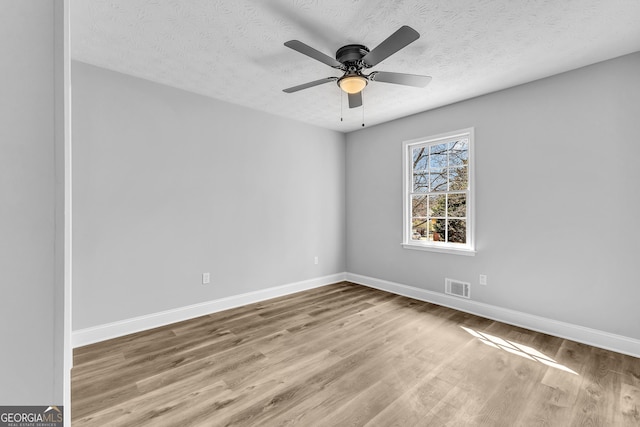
[(30, 167), (557, 198), (169, 184)]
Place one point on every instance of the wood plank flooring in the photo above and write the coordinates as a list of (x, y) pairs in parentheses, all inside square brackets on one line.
[(347, 355)]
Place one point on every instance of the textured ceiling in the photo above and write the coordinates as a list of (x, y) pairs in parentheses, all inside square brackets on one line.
[(233, 49)]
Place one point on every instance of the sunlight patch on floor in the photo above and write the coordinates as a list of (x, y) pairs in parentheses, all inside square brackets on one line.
[(517, 349)]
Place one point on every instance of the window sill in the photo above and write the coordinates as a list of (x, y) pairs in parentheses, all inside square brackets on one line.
[(441, 249)]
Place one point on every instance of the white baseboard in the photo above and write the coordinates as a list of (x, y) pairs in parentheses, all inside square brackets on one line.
[(596, 338), (124, 327)]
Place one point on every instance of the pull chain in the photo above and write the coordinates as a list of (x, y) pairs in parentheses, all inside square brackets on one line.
[(362, 95), (342, 103)]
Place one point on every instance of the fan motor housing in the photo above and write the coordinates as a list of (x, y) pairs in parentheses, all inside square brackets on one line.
[(351, 53)]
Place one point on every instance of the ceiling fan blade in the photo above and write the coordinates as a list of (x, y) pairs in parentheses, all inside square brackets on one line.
[(396, 41), (310, 84), (304, 49), (355, 100), (400, 78)]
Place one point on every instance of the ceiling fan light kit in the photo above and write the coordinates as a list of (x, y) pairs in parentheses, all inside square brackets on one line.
[(352, 84), (352, 59)]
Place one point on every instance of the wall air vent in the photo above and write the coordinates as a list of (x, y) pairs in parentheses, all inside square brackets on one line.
[(457, 288)]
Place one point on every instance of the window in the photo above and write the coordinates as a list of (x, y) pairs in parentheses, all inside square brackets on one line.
[(438, 193)]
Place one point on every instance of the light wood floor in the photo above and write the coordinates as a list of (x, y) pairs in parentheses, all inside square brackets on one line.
[(346, 355)]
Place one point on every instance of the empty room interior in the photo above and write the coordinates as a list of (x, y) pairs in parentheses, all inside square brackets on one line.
[(322, 213)]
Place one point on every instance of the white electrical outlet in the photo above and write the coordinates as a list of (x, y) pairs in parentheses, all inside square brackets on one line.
[(315, 260), (206, 278), (483, 279)]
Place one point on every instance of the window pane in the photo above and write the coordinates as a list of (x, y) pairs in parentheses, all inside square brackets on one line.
[(437, 205), (420, 157), (437, 231), (438, 196), (438, 180), (420, 184), (457, 231), (458, 178), (419, 206), (438, 156), (457, 205), (419, 229), (458, 152)]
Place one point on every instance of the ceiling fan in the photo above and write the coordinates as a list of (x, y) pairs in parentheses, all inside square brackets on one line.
[(352, 59)]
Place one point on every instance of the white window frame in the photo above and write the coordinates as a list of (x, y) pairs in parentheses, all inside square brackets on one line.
[(407, 192)]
